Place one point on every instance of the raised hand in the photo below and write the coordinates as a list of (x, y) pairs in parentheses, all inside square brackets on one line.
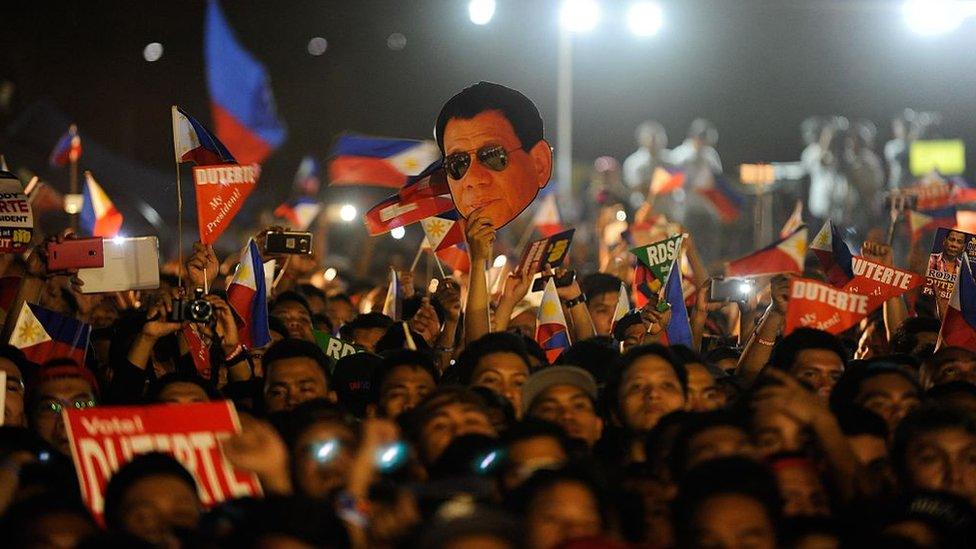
[(480, 235), (879, 253), (201, 267), (449, 295), (259, 449)]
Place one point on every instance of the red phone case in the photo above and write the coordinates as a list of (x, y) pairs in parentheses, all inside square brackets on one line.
[(78, 253)]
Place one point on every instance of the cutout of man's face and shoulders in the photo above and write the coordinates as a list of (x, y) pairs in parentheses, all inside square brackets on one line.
[(502, 194)]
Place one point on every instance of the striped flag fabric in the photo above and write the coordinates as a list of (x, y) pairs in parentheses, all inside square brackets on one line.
[(67, 149), (43, 334), (379, 161), (300, 213), (393, 304), (425, 195), (192, 142), (247, 294), (834, 255), (665, 180), (794, 222), (551, 332), (959, 323), (783, 256), (546, 218), (622, 307), (98, 216), (443, 230)]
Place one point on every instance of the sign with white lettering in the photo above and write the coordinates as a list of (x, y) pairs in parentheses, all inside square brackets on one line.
[(333, 347), (16, 217), (105, 438), (550, 251), (880, 282), (945, 260), (821, 306), (221, 191)]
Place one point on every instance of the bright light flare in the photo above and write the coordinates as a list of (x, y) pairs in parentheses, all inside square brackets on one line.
[(499, 262), (481, 11), (934, 17), (645, 18), (621, 215), (579, 15), (330, 274), (348, 213), (118, 239), (152, 52), (398, 233)]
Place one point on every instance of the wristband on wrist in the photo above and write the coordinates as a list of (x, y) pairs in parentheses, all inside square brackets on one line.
[(570, 303), (766, 342)]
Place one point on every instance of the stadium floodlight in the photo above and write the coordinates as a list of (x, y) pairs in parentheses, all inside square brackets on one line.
[(481, 11), (645, 18), (934, 17), (579, 15)]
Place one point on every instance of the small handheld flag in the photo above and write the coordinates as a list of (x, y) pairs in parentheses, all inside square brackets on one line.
[(665, 180), (834, 255), (794, 222), (67, 149), (99, 217), (546, 218), (43, 334), (622, 307), (247, 294), (192, 142), (443, 230), (551, 331), (393, 305), (300, 213), (379, 161), (783, 256), (959, 323)]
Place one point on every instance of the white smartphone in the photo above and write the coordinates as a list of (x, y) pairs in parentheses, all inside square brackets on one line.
[(130, 264)]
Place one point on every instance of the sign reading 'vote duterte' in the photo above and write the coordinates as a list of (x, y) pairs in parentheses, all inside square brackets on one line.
[(105, 438), (816, 305)]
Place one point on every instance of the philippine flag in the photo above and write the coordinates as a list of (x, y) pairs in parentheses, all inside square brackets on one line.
[(192, 142), (783, 256), (392, 305), (622, 307), (834, 255), (919, 223), (43, 334), (300, 212), (379, 161), (959, 323), (241, 101), (551, 331), (67, 149), (720, 194), (546, 218), (794, 222), (679, 329), (247, 294), (99, 217), (455, 257), (424, 195), (443, 230), (307, 176), (665, 180)]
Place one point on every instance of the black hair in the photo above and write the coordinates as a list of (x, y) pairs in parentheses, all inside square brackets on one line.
[(393, 359), (595, 284), (293, 423), (723, 476), (412, 421), (522, 498), (15, 355), (16, 527), (855, 420), (951, 389), (628, 359), (412, 305), (660, 442), (277, 325), (395, 339), (297, 348), (310, 290), (365, 321), (922, 420), (488, 96), (849, 385), (692, 426), (905, 337), (532, 427), (499, 409), (786, 350), (292, 296), (353, 378), (491, 343), (596, 355), (533, 349), (157, 386), (340, 297), (141, 467)]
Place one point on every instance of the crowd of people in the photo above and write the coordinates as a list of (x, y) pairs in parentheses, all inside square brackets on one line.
[(454, 428)]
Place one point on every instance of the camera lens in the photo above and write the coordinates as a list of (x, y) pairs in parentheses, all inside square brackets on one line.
[(200, 311)]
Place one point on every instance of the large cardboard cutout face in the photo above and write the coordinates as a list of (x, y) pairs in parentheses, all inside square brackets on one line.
[(500, 187)]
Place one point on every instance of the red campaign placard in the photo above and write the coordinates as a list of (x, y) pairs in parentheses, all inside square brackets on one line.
[(221, 191), (880, 282), (816, 305), (16, 217), (104, 438)]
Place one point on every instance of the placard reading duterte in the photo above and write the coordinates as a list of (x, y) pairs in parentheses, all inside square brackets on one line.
[(16, 217), (221, 191), (816, 305), (104, 438)]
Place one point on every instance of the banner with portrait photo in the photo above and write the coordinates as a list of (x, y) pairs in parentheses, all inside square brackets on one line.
[(945, 260)]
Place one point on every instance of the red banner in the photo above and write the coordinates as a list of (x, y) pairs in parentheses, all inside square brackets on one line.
[(816, 305), (221, 191), (104, 438), (880, 282)]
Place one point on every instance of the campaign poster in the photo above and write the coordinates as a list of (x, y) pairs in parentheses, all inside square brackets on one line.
[(16, 216), (105, 438), (817, 305), (221, 191), (945, 260), (550, 251), (880, 282)]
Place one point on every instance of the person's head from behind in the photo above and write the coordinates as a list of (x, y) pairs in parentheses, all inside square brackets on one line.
[(495, 156), (934, 448), (814, 357), (339, 309), (498, 361), (532, 445), (402, 381), (180, 388), (46, 520), (704, 436), (294, 311), (321, 443), (446, 413), (295, 371), (916, 336), (56, 385), (18, 368), (602, 291), (702, 133), (651, 135), (566, 396), (366, 329), (800, 486), (728, 502), (866, 433), (558, 506), (648, 384), (958, 394), (153, 497)]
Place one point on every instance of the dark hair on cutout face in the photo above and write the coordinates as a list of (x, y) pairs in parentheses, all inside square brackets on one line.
[(518, 109)]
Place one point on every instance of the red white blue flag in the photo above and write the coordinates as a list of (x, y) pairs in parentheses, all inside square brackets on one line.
[(241, 101), (834, 255), (424, 195), (300, 212), (443, 230), (379, 161), (247, 294), (959, 323), (551, 331), (99, 216), (67, 149), (43, 334), (192, 142)]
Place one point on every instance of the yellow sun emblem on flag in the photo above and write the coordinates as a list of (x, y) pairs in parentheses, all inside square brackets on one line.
[(435, 228), (30, 331), (410, 164), (800, 247), (549, 309), (821, 240), (243, 271)]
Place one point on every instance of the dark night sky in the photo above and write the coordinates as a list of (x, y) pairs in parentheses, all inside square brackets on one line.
[(755, 67)]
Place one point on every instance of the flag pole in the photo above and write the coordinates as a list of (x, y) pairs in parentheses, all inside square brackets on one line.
[(416, 258), (438, 262), (73, 185), (179, 204), (897, 203)]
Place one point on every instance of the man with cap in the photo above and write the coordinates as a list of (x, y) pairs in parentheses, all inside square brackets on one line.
[(565, 395)]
